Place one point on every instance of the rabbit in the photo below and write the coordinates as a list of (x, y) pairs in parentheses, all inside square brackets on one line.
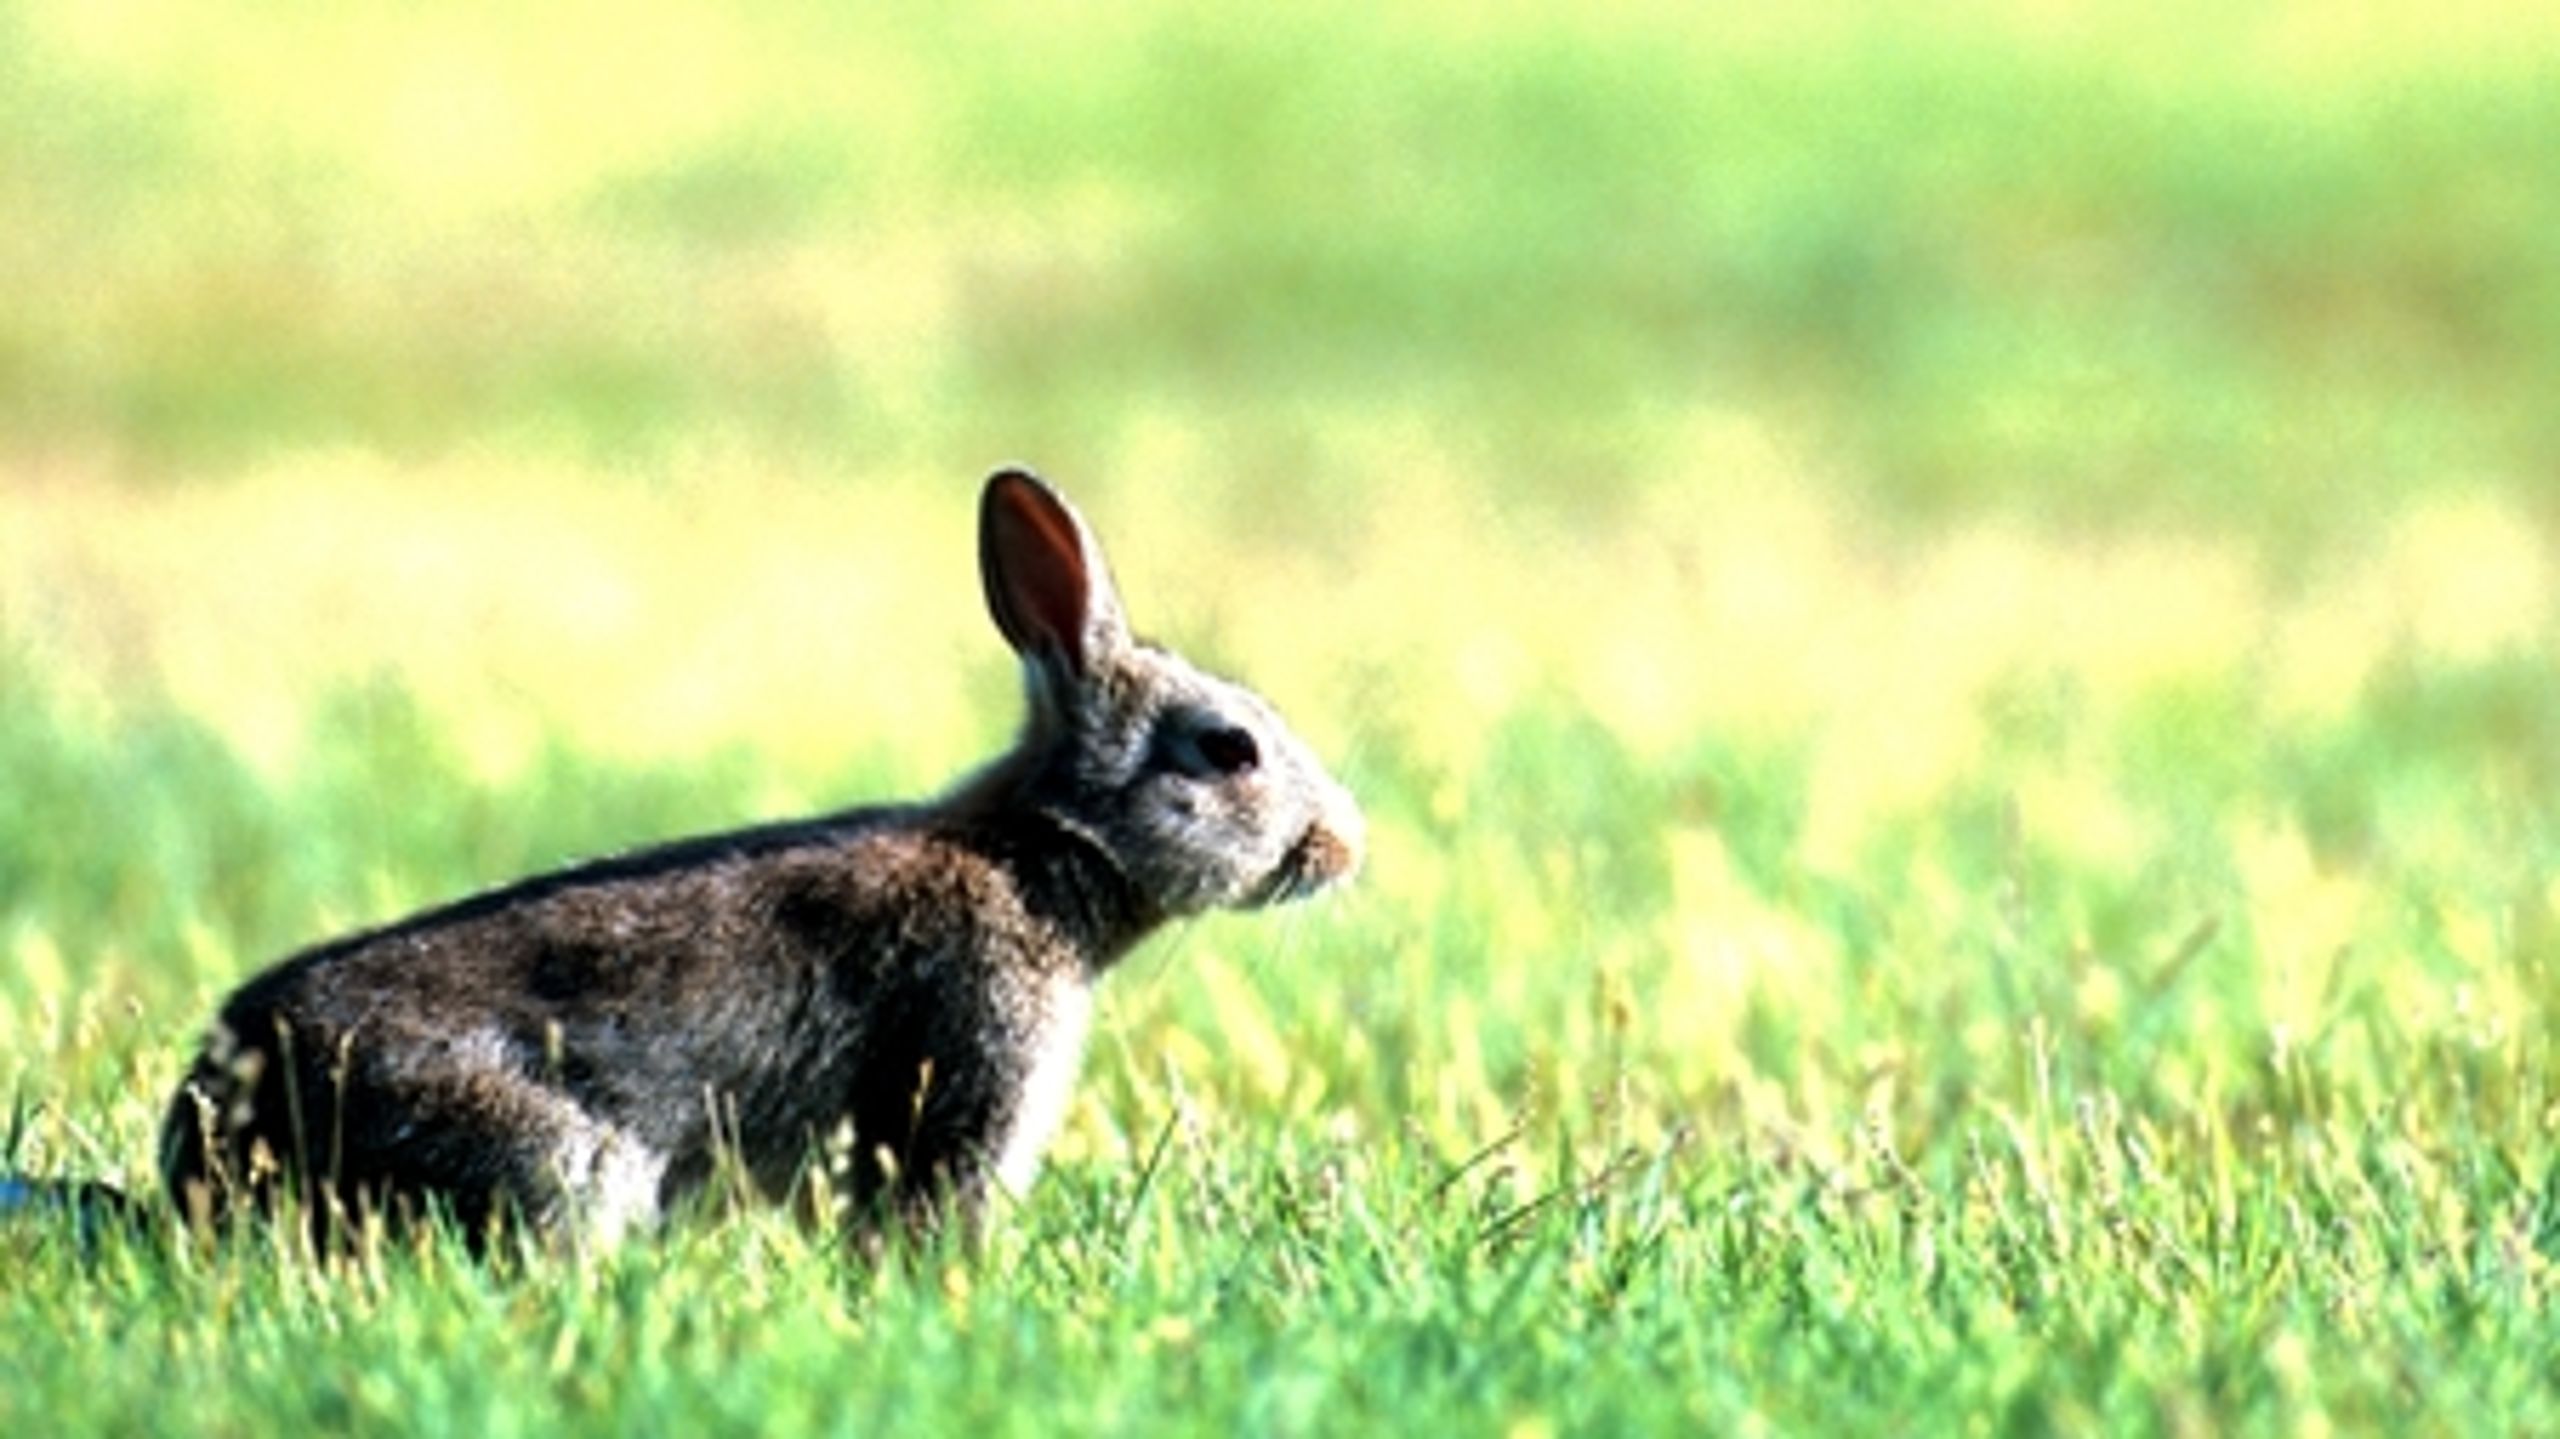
[(905, 988)]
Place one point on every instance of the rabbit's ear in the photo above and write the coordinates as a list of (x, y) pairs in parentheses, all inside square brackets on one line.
[(1046, 583)]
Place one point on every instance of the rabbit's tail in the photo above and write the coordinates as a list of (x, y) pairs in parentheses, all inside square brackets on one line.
[(90, 1206)]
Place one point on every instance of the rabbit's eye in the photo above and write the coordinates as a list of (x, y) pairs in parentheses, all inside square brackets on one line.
[(1208, 749), (1229, 750)]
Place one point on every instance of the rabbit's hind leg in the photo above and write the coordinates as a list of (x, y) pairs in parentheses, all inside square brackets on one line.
[(493, 1145)]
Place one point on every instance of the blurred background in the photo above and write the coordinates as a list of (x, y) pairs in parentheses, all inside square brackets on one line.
[(1795, 518)]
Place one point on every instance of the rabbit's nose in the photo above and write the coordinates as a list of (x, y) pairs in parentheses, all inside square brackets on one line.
[(1328, 857), (1332, 846)]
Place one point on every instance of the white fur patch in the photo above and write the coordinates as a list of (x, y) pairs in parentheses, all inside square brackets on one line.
[(610, 1179), (1057, 1053)]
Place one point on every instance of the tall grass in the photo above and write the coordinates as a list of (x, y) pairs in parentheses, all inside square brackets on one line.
[(1945, 618)]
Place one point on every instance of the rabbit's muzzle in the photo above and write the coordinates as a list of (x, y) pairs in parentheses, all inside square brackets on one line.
[(1326, 855)]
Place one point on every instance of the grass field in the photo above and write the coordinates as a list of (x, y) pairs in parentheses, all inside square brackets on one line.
[(1948, 618)]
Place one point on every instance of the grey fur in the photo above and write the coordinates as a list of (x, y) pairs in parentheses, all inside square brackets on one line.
[(903, 986)]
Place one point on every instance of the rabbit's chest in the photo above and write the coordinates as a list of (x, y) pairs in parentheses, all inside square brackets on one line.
[(1055, 1044)]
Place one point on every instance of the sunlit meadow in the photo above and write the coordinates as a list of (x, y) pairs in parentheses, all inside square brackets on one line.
[(1946, 618)]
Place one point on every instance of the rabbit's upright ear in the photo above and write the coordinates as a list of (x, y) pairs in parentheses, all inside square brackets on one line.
[(1046, 582)]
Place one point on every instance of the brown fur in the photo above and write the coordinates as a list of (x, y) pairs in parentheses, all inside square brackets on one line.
[(581, 1049)]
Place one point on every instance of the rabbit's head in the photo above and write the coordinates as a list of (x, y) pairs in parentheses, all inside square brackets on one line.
[(1193, 786)]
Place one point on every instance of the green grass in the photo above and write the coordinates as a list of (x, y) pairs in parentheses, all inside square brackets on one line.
[(1949, 623)]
